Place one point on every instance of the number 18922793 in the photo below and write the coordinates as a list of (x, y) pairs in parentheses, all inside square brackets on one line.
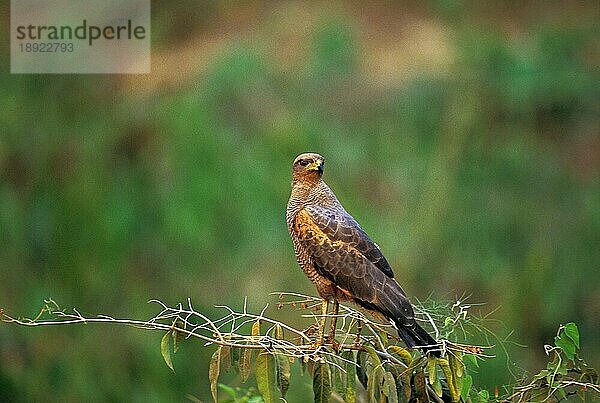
[(46, 47)]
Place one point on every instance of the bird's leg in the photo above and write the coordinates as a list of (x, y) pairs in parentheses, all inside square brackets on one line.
[(359, 327), (321, 335), (336, 310)]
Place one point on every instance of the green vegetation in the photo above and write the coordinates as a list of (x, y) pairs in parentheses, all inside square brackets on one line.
[(465, 143), (363, 350)]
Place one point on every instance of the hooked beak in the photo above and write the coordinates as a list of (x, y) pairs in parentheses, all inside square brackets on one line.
[(316, 166)]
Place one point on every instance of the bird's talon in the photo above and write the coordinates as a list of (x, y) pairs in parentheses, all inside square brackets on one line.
[(309, 331), (334, 344), (317, 344)]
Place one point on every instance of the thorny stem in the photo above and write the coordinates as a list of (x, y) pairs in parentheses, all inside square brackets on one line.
[(191, 323)]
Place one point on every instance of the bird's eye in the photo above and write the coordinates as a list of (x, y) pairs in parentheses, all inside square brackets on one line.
[(304, 162)]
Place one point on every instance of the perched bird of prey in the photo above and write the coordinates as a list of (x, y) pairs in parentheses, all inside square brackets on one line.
[(339, 257)]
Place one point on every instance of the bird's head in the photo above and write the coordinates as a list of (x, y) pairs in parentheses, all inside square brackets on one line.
[(308, 167)]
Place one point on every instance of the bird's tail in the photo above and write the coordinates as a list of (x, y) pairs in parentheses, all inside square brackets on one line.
[(416, 337)]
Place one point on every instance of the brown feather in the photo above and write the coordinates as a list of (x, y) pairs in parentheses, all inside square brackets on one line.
[(339, 257)]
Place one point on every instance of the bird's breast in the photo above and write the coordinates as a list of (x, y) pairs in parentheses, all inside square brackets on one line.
[(298, 230)]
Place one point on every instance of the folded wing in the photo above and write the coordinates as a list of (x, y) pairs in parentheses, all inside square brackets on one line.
[(342, 252)]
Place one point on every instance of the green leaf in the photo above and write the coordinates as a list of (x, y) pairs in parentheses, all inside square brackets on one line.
[(373, 355), (374, 383), (557, 366), (226, 357), (177, 336), (437, 387), (566, 345), (165, 351), (361, 367), (483, 396), (431, 370), (456, 364), (389, 388), (374, 373), (568, 340), (283, 373), (457, 367), (402, 353), (541, 375), (256, 328), (245, 357), (229, 390), (445, 366), (471, 359), (561, 391), (266, 377), (283, 365), (397, 371), (384, 337), (466, 387), (322, 382), (278, 332), (350, 367), (214, 370), (434, 380), (338, 380), (572, 332)]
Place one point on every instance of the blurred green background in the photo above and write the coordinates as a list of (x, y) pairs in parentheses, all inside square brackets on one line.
[(463, 136)]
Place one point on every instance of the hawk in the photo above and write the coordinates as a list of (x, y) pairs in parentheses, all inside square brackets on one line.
[(339, 257)]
